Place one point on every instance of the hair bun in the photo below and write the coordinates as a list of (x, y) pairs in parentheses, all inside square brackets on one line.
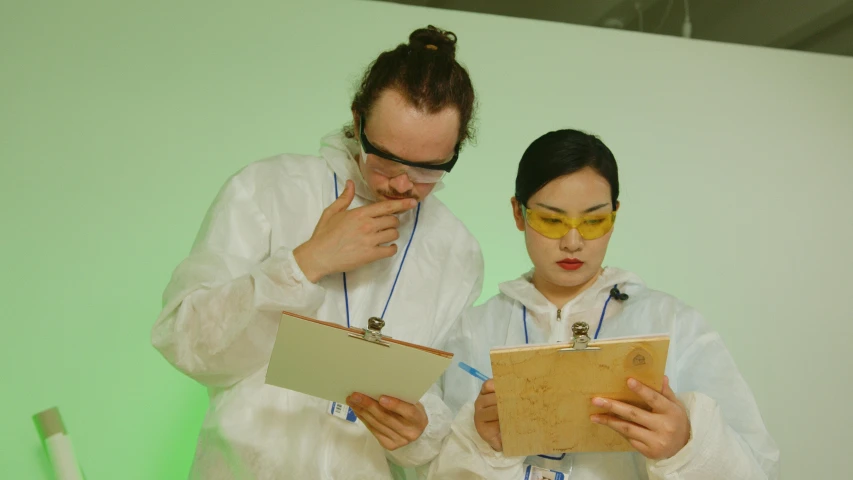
[(433, 38)]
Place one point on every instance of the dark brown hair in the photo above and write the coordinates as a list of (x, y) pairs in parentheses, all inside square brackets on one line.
[(564, 152), (426, 73)]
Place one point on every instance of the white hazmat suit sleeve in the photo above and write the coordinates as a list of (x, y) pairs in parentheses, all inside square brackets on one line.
[(224, 301), (423, 450), (714, 450), (728, 436), (465, 455)]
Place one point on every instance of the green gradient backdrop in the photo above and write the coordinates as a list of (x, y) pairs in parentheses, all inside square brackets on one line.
[(119, 122)]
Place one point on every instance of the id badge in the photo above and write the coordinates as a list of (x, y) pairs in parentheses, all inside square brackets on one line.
[(537, 473), (341, 410)]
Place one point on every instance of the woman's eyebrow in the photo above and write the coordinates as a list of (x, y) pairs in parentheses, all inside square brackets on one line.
[(559, 210), (553, 209), (597, 207)]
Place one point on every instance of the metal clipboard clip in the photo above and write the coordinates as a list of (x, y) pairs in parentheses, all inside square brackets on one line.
[(580, 339), (373, 332)]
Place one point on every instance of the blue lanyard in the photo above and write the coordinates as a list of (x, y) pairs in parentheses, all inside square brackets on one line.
[(400, 269), (597, 330)]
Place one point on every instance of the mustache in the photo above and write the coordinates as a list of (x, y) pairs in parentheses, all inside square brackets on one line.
[(394, 193)]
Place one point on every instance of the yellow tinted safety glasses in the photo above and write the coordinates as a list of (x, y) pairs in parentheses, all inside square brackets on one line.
[(556, 226)]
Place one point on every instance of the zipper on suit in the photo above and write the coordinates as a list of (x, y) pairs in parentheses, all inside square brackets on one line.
[(559, 310)]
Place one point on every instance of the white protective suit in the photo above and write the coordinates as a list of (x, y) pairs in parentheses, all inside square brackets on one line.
[(222, 308), (728, 439)]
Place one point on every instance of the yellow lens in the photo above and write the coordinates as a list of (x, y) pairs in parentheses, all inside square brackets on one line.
[(555, 226), (548, 224), (591, 228)]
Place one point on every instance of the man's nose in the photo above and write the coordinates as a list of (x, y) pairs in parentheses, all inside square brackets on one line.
[(401, 183)]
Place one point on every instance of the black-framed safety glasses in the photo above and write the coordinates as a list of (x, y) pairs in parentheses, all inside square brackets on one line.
[(370, 149)]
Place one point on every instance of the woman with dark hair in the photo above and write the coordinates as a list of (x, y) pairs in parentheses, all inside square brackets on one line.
[(344, 236), (703, 424)]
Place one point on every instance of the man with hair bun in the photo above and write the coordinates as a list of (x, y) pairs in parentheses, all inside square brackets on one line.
[(347, 235)]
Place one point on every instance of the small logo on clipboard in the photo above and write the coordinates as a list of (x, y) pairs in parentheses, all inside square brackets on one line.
[(639, 358)]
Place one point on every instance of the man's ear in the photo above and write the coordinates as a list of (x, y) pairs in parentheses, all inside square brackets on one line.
[(355, 120), (517, 214)]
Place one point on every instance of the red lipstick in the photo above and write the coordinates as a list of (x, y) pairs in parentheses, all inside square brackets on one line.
[(570, 264)]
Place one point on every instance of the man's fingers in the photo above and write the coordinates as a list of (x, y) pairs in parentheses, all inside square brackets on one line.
[(389, 207), (376, 425), (380, 425), (344, 200), (386, 442), (382, 251), (658, 402), (403, 427), (629, 430), (364, 402), (386, 222), (385, 236), (628, 412), (388, 426), (406, 411)]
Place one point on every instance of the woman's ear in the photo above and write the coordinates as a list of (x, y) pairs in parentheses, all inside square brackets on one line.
[(616, 208), (355, 119), (517, 214)]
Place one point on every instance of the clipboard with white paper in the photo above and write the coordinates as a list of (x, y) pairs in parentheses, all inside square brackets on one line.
[(331, 362)]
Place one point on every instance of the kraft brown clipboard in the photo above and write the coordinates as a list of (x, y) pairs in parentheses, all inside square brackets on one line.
[(545, 392), (330, 361)]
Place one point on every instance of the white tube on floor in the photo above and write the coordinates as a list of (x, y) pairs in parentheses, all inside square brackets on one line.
[(57, 444)]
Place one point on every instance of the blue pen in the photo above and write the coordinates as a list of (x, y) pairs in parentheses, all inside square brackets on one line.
[(473, 371)]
